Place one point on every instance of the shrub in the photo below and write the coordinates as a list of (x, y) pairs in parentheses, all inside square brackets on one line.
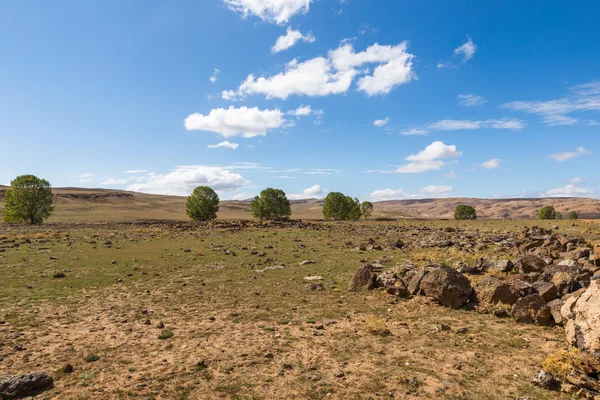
[(272, 204), (562, 363), (558, 215), (464, 212), (340, 207), (377, 326), (166, 334), (91, 357), (366, 209), (547, 212), (29, 200), (573, 215), (202, 204)]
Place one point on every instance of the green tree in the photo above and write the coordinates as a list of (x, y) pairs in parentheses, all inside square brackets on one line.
[(272, 204), (558, 215), (547, 212), (339, 207), (29, 200), (463, 212), (573, 215), (202, 204), (366, 209)]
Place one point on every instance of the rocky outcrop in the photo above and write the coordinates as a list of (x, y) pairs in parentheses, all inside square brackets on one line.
[(490, 290), (532, 309), (582, 318), (446, 285)]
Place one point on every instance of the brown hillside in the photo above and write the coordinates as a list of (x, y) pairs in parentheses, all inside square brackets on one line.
[(96, 205)]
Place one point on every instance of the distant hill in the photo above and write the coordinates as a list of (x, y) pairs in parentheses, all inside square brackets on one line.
[(97, 205)]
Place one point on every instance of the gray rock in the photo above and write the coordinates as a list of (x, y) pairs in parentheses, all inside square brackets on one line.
[(544, 380), (17, 386)]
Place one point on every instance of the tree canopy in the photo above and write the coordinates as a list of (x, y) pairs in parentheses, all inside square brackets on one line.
[(29, 200), (547, 212), (366, 209), (271, 204), (202, 204), (573, 215), (465, 212), (340, 207)]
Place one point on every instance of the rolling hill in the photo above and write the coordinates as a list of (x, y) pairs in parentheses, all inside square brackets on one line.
[(97, 205)]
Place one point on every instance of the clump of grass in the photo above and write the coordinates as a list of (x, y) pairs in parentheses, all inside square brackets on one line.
[(562, 363), (91, 357), (166, 334), (59, 275), (377, 326)]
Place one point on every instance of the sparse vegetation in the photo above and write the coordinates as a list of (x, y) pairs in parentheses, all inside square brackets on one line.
[(165, 334), (91, 357), (202, 204), (572, 215), (377, 326), (465, 212), (547, 212), (272, 205), (28, 200)]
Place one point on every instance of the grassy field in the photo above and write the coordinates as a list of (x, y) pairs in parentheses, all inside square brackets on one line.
[(239, 321)]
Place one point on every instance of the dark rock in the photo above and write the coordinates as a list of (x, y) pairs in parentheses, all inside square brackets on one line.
[(530, 263), (447, 286), (492, 290), (17, 386), (364, 278), (546, 289), (532, 309)]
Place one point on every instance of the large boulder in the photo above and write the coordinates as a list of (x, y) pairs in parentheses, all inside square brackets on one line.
[(532, 309), (529, 263), (582, 318), (447, 286), (19, 386), (546, 289), (364, 278), (492, 290)]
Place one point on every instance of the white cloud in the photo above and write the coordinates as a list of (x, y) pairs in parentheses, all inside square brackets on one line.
[(455, 125), (381, 122), (430, 158), (215, 75), (451, 175), (86, 177), (576, 180), (136, 171), (305, 111), (592, 122), (309, 193), (431, 191), (322, 76), (435, 190), (571, 190), (466, 51), (491, 164), (244, 121), (274, 11), (556, 112), (291, 37), (226, 144), (184, 179), (470, 100), (560, 157)]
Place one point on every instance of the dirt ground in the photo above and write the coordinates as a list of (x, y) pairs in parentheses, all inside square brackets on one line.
[(239, 320)]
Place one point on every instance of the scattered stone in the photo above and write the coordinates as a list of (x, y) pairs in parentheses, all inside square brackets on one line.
[(544, 380), (530, 263), (307, 262), (315, 286), (364, 278), (447, 286), (490, 290)]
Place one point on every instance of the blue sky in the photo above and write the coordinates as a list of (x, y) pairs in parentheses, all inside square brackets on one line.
[(377, 99)]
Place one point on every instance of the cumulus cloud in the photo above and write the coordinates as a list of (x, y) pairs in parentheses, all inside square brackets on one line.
[(291, 37), (309, 193), (431, 191), (215, 75), (430, 158), (225, 144), (323, 76), (244, 121), (381, 122), (305, 111), (182, 180), (560, 157), (136, 171), (466, 50), (576, 180), (571, 190), (456, 125), (451, 175), (470, 100), (274, 11), (556, 112), (491, 164)]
